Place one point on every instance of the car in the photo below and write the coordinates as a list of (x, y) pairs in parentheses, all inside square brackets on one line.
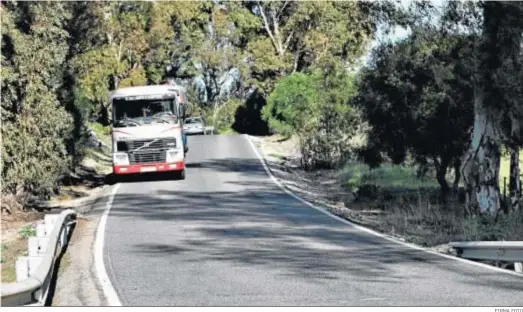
[(194, 125)]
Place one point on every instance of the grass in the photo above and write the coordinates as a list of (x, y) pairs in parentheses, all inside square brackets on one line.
[(388, 176), (227, 131), (504, 170), (13, 249), (103, 133), (103, 160), (27, 231), (394, 177), (278, 156), (417, 214)]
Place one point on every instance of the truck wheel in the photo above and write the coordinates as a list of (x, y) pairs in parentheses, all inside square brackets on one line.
[(111, 179), (180, 175)]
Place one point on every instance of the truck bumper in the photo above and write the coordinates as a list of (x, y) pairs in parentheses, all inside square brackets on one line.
[(145, 168)]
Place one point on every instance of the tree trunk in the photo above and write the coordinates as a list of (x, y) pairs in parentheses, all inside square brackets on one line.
[(441, 176), (481, 163), (104, 114), (457, 175), (444, 185), (514, 183)]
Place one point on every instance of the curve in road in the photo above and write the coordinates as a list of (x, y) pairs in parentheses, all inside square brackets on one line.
[(227, 236)]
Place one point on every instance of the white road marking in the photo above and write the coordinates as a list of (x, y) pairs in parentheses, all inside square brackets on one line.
[(373, 299), (103, 278), (391, 239)]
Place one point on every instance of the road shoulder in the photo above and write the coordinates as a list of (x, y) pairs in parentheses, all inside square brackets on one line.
[(77, 282), (322, 189)]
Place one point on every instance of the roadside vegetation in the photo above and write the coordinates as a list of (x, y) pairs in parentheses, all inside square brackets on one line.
[(398, 128), (403, 142)]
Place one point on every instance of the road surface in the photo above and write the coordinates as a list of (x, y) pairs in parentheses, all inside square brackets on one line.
[(227, 236)]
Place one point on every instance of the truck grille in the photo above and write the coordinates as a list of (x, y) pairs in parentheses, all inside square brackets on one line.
[(158, 145), (147, 157)]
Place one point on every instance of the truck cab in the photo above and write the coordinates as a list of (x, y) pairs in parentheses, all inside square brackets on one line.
[(147, 124)]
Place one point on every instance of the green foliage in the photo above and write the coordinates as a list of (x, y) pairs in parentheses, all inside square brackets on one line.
[(61, 59), (27, 231), (314, 107), (417, 96), (35, 127), (293, 105), (224, 117), (298, 34), (99, 129), (387, 177)]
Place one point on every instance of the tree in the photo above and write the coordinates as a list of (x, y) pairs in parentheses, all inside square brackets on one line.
[(293, 105), (314, 107), (115, 57), (417, 97), (297, 34), (35, 126), (494, 103)]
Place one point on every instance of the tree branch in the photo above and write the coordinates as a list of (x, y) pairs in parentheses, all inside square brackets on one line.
[(266, 26), (277, 35), (282, 8), (288, 40)]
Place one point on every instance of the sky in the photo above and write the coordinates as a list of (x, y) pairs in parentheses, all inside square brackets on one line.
[(398, 32)]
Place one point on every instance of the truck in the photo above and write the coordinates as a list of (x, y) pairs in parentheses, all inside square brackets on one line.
[(147, 130)]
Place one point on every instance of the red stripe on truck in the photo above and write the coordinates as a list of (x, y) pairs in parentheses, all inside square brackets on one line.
[(120, 131), (171, 128), (144, 168)]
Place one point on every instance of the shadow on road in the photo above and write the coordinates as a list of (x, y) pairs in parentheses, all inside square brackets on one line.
[(263, 227), (248, 167), (148, 177)]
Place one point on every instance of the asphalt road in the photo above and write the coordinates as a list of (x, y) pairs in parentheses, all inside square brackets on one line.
[(228, 236)]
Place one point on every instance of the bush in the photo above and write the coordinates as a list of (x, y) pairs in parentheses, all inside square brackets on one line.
[(27, 231), (314, 107), (35, 125), (224, 117)]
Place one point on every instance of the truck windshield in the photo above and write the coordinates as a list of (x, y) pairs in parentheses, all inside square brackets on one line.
[(132, 113)]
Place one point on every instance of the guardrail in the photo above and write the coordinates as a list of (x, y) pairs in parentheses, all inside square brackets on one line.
[(35, 272), (508, 251)]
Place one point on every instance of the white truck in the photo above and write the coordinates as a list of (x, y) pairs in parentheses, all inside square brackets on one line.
[(147, 130)]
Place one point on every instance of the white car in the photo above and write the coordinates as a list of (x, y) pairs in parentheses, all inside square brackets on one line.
[(194, 125)]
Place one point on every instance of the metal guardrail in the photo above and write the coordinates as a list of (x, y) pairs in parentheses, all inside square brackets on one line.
[(35, 272), (508, 251)]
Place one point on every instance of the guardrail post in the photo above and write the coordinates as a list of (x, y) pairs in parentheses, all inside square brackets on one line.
[(34, 262), (40, 229), (22, 268), (49, 222), (34, 272), (518, 267), (42, 244), (32, 247)]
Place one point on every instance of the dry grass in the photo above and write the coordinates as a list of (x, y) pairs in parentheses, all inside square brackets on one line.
[(422, 220), (11, 251), (14, 245)]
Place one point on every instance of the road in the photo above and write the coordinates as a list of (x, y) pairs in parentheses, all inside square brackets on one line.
[(227, 236)]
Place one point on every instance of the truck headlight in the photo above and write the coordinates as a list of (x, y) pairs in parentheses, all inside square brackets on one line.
[(120, 159), (172, 155)]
